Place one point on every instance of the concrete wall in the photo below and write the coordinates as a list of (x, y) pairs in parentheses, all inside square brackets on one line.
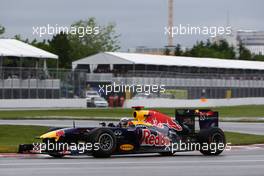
[(193, 103), (81, 103), (42, 103)]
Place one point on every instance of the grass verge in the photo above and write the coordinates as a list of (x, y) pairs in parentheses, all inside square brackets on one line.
[(243, 138), (13, 135), (115, 113)]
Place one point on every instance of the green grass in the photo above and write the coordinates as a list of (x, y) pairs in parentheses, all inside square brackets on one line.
[(116, 113), (241, 111), (13, 135), (89, 113), (243, 139)]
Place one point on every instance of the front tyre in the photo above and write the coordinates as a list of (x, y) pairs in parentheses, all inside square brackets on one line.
[(212, 141), (106, 141)]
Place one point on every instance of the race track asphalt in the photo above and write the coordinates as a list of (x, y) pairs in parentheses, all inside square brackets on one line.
[(240, 161), (252, 128), (237, 162)]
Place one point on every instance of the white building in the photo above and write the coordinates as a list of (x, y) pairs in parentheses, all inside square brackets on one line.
[(216, 77), (253, 40)]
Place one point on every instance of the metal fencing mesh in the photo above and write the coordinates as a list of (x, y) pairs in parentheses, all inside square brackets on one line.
[(31, 83), (16, 83), (191, 85)]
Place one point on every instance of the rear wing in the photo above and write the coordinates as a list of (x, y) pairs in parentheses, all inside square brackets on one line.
[(206, 117)]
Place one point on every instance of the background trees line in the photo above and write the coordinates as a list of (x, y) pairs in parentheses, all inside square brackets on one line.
[(71, 47), (210, 49)]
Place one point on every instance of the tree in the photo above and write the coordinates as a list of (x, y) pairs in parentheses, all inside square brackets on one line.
[(60, 45), (178, 51), (2, 30), (244, 53), (42, 44), (72, 46), (219, 49), (258, 57), (84, 45), (167, 51)]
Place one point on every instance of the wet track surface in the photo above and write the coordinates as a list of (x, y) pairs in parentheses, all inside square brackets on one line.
[(252, 128), (240, 161), (237, 162)]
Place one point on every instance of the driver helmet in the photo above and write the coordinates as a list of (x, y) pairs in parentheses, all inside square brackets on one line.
[(124, 121)]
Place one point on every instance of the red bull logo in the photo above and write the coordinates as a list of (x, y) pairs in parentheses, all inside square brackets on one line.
[(158, 119), (60, 133), (150, 139)]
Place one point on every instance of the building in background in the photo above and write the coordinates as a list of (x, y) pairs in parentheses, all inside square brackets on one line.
[(183, 77), (251, 39)]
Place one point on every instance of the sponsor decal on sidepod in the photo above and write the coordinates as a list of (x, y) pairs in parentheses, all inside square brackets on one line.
[(126, 147), (149, 139)]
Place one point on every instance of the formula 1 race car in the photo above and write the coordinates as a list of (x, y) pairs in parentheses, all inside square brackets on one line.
[(149, 131)]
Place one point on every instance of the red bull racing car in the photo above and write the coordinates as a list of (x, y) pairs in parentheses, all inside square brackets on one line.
[(149, 131)]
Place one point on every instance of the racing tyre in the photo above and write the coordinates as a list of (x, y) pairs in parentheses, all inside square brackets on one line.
[(214, 139), (106, 143)]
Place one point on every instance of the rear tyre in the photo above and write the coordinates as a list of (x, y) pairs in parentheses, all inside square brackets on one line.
[(106, 141), (214, 139)]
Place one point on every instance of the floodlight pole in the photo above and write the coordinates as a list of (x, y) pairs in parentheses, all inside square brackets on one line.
[(170, 21)]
